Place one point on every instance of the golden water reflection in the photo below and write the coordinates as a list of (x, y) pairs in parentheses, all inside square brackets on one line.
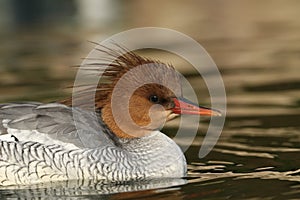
[(256, 45)]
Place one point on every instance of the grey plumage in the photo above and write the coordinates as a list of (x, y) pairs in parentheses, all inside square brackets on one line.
[(72, 125), (56, 142)]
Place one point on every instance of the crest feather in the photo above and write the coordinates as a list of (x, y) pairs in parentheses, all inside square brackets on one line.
[(118, 62)]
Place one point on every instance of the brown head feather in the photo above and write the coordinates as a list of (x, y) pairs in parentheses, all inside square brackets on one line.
[(126, 60), (114, 70)]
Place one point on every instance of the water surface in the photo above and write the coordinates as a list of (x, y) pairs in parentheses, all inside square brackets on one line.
[(257, 52)]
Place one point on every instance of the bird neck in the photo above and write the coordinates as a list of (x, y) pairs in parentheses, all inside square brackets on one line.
[(130, 133)]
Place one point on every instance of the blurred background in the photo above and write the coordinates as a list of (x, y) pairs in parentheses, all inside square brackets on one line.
[(255, 44)]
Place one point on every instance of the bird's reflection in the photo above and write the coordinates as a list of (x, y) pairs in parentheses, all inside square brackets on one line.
[(89, 188)]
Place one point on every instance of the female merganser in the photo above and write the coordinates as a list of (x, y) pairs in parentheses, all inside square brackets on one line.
[(44, 142)]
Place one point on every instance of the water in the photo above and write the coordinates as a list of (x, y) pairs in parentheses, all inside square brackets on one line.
[(257, 52)]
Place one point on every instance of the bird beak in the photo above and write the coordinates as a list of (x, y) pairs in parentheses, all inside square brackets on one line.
[(184, 106)]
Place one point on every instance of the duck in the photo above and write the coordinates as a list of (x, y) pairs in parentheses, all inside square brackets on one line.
[(118, 140)]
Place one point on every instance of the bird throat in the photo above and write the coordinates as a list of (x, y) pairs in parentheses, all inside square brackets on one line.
[(126, 132)]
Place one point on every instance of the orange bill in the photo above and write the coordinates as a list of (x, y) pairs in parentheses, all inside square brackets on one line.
[(184, 106)]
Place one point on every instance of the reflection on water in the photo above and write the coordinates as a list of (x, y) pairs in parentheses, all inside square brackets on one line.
[(88, 188), (256, 47)]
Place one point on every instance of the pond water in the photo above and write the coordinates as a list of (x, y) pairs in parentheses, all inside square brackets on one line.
[(257, 51)]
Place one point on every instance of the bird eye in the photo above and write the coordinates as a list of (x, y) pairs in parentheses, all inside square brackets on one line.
[(154, 99)]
